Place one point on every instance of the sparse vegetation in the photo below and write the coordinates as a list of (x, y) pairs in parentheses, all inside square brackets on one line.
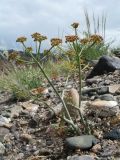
[(28, 74), (20, 81), (55, 104)]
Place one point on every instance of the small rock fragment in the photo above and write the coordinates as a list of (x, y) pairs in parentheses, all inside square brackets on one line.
[(4, 121), (96, 148), (114, 88), (26, 137)]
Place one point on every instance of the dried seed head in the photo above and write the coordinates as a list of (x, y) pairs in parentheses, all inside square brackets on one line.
[(55, 41), (96, 38), (13, 55), (19, 62), (71, 38), (84, 41), (21, 39), (29, 49), (43, 38), (38, 37), (75, 25)]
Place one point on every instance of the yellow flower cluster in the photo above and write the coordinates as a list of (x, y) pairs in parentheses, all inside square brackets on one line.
[(71, 38), (55, 41), (38, 37), (21, 39)]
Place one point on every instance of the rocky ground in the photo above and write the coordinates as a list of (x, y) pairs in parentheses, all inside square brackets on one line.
[(30, 131)]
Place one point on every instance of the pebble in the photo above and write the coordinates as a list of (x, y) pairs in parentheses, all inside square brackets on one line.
[(96, 148), (4, 121), (20, 156), (93, 80), (104, 108), (109, 148), (15, 111), (102, 90), (107, 97), (2, 149), (3, 133), (115, 120), (114, 88), (83, 142), (26, 137), (83, 157), (113, 134)]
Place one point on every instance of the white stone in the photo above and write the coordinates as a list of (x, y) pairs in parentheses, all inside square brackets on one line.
[(104, 108)]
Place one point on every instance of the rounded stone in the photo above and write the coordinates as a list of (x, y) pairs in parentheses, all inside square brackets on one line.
[(83, 142)]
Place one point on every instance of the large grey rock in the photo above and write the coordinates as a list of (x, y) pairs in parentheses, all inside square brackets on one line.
[(81, 142), (105, 64)]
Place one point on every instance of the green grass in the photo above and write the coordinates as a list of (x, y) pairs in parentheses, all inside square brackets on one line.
[(20, 81)]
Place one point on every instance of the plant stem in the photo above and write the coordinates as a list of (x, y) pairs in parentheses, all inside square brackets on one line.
[(36, 47), (63, 103), (46, 53), (80, 81), (38, 51)]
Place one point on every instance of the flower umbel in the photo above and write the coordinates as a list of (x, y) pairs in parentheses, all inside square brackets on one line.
[(35, 35), (13, 55), (29, 49), (71, 38), (75, 25), (84, 41), (43, 38), (55, 41), (96, 38), (38, 37), (21, 39)]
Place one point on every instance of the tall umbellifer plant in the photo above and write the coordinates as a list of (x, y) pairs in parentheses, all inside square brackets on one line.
[(73, 40)]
